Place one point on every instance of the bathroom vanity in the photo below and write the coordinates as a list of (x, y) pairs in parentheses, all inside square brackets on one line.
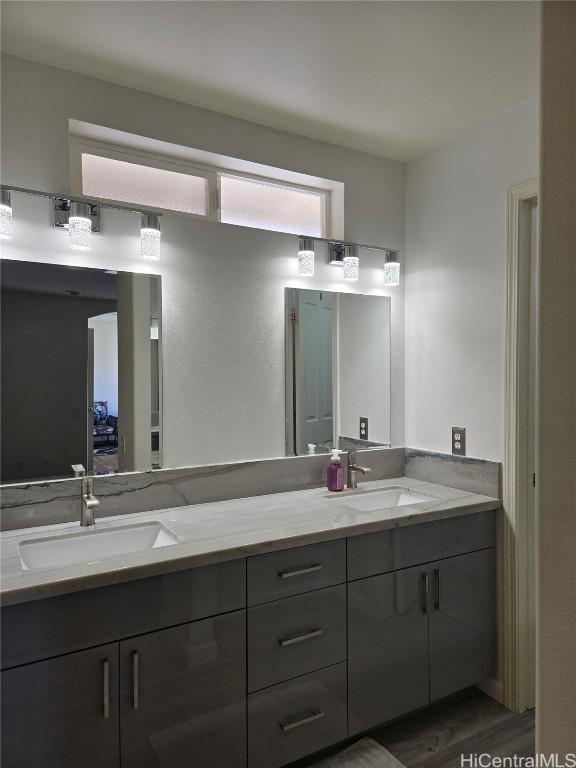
[(277, 626)]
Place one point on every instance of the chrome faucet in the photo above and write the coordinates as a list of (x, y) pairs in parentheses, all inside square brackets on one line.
[(88, 502), (353, 469)]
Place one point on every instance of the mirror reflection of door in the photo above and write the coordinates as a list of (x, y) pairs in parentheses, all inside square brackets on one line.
[(310, 415)]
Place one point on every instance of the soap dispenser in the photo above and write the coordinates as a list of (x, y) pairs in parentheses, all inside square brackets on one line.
[(335, 479)]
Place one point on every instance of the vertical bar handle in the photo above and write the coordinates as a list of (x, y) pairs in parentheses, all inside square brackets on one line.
[(437, 589), (135, 680), (106, 688), (425, 580)]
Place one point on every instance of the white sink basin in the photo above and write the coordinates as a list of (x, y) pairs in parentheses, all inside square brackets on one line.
[(88, 546), (371, 501)]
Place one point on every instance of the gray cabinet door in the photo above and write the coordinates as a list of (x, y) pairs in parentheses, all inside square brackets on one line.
[(462, 622), (62, 713), (387, 647), (183, 696)]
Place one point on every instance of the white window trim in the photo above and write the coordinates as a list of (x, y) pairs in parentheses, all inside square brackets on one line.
[(80, 145)]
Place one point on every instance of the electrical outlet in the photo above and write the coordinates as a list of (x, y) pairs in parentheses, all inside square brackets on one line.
[(363, 428), (459, 441)]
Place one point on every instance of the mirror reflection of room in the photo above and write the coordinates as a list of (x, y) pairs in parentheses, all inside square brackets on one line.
[(74, 390), (337, 371)]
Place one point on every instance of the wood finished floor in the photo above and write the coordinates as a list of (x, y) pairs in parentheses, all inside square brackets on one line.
[(470, 723)]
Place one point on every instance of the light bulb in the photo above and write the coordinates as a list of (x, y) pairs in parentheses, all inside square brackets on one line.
[(5, 215), (391, 270), (80, 227), (150, 237), (306, 257), (351, 264)]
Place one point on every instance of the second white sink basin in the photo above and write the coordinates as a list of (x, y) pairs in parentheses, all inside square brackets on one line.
[(95, 544), (371, 501)]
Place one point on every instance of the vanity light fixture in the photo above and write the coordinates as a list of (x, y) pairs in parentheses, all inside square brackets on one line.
[(391, 269), (351, 263), (150, 237), (5, 215), (306, 257)]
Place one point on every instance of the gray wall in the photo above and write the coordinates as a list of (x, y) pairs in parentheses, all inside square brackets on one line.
[(44, 383), (456, 239)]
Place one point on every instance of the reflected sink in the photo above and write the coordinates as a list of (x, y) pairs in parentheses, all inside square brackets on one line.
[(371, 501), (94, 544)]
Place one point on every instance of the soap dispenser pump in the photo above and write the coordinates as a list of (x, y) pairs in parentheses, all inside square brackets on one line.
[(335, 475)]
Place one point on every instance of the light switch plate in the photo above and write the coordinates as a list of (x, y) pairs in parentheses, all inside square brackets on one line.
[(363, 428), (459, 441)]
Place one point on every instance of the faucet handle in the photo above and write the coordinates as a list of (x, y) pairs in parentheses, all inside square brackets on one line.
[(352, 456), (78, 469)]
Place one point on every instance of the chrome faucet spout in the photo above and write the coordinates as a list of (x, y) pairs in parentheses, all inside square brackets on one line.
[(88, 502), (354, 469)]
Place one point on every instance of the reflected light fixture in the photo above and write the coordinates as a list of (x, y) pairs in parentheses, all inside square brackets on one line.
[(336, 253), (351, 264), (306, 257), (391, 269), (150, 237), (5, 215), (79, 226)]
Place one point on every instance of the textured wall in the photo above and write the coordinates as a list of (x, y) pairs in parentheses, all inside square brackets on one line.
[(456, 206), (556, 486)]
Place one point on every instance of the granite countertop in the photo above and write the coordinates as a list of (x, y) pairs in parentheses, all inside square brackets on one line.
[(226, 530)]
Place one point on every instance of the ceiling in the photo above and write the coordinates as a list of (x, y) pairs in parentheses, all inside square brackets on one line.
[(397, 79)]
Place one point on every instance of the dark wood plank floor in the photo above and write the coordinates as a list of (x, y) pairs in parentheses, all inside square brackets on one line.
[(470, 723)]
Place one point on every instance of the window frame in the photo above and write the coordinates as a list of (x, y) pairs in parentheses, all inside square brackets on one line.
[(213, 174)]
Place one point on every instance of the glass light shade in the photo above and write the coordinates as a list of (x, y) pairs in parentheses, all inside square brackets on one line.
[(306, 257), (150, 237), (392, 273), (5, 222), (79, 233), (150, 244), (306, 263), (351, 266)]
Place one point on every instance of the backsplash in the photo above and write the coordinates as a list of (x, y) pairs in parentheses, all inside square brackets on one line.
[(34, 504)]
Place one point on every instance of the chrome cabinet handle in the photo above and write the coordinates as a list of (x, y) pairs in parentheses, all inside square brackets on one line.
[(293, 639), (301, 571), (437, 591), (425, 580), (135, 681), (300, 720), (106, 688)]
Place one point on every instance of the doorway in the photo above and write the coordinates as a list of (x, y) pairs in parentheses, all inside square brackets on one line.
[(520, 448)]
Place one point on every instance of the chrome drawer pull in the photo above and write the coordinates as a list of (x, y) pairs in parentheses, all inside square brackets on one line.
[(300, 571), (135, 680), (106, 688), (300, 720), (293, 639)]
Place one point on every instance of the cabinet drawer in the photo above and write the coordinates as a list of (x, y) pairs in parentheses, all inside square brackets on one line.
[(294, 571), (298, 718), (96, 616), (294, 636), (396, 548)]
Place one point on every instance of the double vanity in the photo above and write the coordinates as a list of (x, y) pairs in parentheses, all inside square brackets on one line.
[(250, 632)]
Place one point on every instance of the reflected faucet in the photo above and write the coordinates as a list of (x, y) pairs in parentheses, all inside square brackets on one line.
[(88, 502), (353, 469)]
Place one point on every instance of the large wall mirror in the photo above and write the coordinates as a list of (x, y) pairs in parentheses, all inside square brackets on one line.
[(337, 371), (81, 371)]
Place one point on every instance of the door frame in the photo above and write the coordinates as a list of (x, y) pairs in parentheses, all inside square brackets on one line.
[(518, 657)]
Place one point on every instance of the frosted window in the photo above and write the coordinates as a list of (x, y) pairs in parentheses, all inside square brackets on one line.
[(142, 185), (266, 206)]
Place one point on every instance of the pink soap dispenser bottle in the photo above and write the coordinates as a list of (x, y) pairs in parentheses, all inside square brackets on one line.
[(335, 479)]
